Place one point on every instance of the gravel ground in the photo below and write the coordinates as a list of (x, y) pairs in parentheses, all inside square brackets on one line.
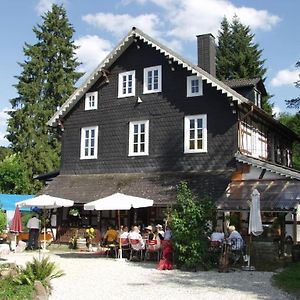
[(90, 277)]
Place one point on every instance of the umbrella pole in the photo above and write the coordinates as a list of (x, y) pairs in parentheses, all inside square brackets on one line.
[(120, 243), (44, 242)]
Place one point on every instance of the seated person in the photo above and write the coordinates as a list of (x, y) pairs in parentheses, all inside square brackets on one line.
[(217, 235), (235, 238), (110, 236), (135, 235), (149, 233), (159, 231)]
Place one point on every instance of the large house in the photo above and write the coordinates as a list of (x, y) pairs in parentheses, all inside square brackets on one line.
[(147, 119)]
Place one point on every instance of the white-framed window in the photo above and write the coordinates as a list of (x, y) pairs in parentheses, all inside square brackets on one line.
[(194, 86), (139, 138), (257, 98), (152, 80), (89, 142), (195, 134), (126, 84), (91, 100)]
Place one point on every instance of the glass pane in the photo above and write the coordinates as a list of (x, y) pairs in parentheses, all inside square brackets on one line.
[(135, 148), (129, 77), (87, 134), (192, 123), (199, 144), (86, 152), (92, 142), (199, 123), (142, 127), (92, 133), (142, 138), (135, 138), (142, 148), (92, 151), (192, 134), (199, 133), (192, 144), (86, 143), (136, 129)]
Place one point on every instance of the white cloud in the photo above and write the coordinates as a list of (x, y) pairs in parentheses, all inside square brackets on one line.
[(285, 77), (187, 18), (119, 25), (276, 111), (45, 5), (92, 50)]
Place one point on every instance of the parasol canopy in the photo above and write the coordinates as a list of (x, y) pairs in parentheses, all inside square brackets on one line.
[(45, 202), (16, 224), (118, 201), (255, 223)]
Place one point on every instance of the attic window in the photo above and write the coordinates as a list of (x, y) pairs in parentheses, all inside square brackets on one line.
[(194, 86), (257, 98), (91, 100), (126, 84), (152, 80)]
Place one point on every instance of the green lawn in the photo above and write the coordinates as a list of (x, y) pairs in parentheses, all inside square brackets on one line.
[(289, 279)]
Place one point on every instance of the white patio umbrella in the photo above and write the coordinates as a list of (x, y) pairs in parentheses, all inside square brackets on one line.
[(45, 202), (255, 223), (118, 201)]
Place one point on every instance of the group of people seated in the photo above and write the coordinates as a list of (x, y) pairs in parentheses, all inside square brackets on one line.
[(218, 237), (113, 236)]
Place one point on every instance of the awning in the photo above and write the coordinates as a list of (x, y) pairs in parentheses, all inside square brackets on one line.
[(276, 195)]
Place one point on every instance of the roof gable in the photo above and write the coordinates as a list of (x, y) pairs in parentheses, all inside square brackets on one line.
[(117, 52)]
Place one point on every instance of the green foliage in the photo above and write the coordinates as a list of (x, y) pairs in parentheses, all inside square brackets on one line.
[(13, 176), (238, 56), (295, 103), (11, 290), (42, 270), (4, 152), (3, 220), (289, 279), (293, 123), (189, 219), (47, 79)]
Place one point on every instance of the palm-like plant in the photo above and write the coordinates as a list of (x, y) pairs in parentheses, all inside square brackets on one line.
[(42, 270)]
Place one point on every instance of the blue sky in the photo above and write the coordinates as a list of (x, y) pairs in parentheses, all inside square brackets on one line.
[(99, 25)]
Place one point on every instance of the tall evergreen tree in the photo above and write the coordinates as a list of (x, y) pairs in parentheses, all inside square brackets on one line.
[(295, 103), (238, 56), (47, 79)]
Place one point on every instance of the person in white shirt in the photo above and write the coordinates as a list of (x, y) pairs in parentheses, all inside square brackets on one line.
[(235, 238), (33, 225), (135, 235), (217, 235)]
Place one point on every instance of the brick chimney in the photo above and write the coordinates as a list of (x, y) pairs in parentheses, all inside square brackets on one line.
[(207, 53)]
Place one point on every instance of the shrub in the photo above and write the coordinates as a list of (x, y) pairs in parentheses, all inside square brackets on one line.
[(3, 221), (12, 290), (42, 270), (189, 221)]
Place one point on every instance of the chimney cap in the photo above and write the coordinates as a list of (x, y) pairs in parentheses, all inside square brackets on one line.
[(205, 34)]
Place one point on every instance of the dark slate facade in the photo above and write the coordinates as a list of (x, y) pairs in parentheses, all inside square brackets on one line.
[(165, 112)]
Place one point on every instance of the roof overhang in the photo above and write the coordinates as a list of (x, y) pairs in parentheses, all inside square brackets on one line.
[(268, 166), (275, 195)]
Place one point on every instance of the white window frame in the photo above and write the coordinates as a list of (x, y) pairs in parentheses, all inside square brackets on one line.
[(131, 138), (187, 129), (189, 81), (121, 92), (82, 144), (146, 78), (88, 100), (257, 98)]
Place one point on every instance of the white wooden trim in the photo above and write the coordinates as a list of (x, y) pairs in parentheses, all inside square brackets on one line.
[(131, 132), (189, 86), (187, 134), (146, 70), (82, 143), (120, 84)]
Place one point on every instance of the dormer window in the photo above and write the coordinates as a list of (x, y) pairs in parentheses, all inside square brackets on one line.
[(194, 86), (91, 100), (152, 80), (126, 84), (257, 98)]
